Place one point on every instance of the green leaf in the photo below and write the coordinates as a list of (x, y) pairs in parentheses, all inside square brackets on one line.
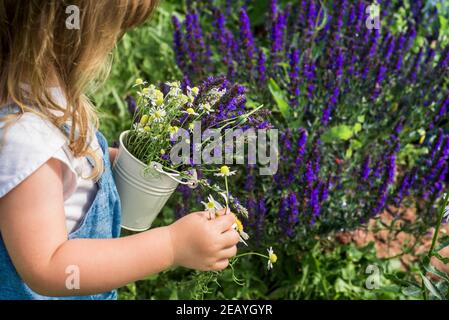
[(361, 119), (435, 271), (412, 291), (342, 132), (348, 153), (279, 98), (356, 144), (357, 128), (432, 289)]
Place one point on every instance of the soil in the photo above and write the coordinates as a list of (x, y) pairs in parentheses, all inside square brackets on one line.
[(390, 245)]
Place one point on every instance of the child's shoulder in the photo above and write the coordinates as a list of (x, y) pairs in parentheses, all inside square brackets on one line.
[(26, 143)]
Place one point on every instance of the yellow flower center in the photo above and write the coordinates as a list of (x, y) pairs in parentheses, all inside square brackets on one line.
[(146, 90), (162, 151), (139, 81), (147, 129), (210, 205), (273, 258), (225, 170), (144, 119), (158, 114), (239, 225), (190, 111), (195, 90)]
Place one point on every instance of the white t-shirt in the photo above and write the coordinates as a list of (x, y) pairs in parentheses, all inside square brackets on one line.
[(29, 143)]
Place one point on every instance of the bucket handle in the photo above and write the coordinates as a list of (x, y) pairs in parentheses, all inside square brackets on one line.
[(192, 183)]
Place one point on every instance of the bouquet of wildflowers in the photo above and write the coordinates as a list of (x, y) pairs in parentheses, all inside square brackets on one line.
[(167, 118)]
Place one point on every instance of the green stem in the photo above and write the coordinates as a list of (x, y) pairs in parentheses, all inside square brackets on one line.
[(437, 228), (227, 193), (251, 254)]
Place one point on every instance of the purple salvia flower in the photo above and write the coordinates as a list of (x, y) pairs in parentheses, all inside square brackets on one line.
[(310, 75), (388, 180), (379, 80), (301, 148), (411, 36), (260, 219), (399, 48), (277, 36), (286, 144), (331, 104), (403, 189), (273, 11), (282, 215), (185, 83), (390, 49), (436, 146), (430, 56), (132, 105), (192, 50), (294, 77), (294, 209), (416, 66), (441, 112), (365, 172), (309, 176), (324, 194), (371, 53), (311, 16), (261, 68), (178, 44), (314, 204), (440, 161), (443, 63), (246, 38), (251, 206)]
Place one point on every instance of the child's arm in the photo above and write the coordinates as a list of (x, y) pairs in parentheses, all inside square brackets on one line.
[(32, 225)]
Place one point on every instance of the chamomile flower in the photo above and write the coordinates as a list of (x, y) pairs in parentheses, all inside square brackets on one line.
[(238, 226), (139, 82), (225, 172), (158, 98), (212, 206), (158, 115), (195, 91), (272, 258), (190, 112)]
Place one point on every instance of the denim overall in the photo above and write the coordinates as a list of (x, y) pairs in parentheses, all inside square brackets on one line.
[(100, 222)]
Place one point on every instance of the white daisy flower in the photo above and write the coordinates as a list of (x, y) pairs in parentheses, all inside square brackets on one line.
[(225, 172), (272, 258), (158, 115), (212, 206), (238, 226)]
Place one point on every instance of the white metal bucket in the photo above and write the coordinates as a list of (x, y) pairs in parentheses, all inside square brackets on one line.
[(143, 193)]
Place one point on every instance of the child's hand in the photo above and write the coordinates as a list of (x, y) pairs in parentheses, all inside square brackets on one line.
[(203, 244)]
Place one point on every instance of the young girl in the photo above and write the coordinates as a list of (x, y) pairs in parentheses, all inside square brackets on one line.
[(59, 207)]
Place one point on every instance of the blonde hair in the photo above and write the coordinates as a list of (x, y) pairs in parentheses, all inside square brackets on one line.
[(35, 41)]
